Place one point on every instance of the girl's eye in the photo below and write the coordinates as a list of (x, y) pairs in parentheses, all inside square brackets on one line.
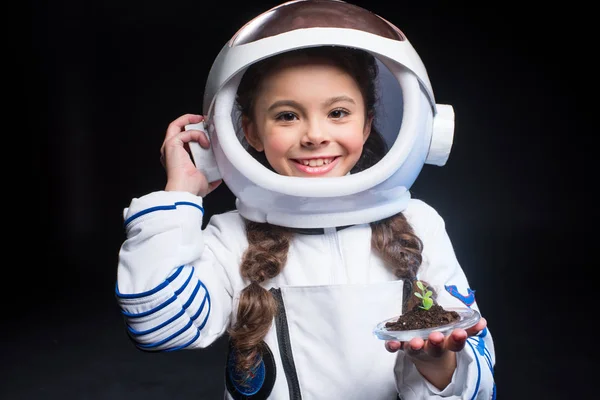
[(286, 117), (338, 113)]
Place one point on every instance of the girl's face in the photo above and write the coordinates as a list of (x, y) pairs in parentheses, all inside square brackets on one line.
[(309, 118)]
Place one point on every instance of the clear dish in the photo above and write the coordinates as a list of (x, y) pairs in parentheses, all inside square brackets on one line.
[(468, 318)]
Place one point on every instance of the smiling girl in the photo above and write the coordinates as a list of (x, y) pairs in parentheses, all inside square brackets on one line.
[(298, 305)]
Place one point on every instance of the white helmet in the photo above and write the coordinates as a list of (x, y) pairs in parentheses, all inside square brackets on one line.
[(416, 129)]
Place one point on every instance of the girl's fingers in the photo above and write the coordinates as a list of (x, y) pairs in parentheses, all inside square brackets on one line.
[(435, 344), (179, 124), (182, 140), (478, 327), (392, 346), (457, 339), (414, 347), (176, 151), (201, 138)]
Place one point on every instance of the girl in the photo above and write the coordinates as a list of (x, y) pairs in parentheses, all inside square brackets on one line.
[(298, 305)]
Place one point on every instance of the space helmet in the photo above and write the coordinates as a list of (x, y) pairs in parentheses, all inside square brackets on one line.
[(416, 129)]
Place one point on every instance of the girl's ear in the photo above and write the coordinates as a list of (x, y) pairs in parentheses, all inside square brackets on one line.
[(367, 129), (251, 135)]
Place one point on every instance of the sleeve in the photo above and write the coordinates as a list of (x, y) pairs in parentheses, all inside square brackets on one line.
[(474, 374), (172, 290)]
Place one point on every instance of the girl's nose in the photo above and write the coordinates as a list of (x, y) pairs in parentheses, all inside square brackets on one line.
[(315, 136)]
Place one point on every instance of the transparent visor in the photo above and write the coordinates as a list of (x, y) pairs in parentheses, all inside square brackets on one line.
[(302, 14)]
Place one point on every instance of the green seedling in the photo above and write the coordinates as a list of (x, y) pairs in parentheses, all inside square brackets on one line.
[(425, 296)]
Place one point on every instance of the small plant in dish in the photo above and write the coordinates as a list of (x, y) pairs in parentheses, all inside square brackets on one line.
[(425, 296), (422, 314)]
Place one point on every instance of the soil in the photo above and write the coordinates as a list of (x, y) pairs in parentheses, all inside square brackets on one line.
[(418, 318)]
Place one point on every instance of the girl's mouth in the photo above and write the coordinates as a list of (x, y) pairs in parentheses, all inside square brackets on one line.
[(316, 166)]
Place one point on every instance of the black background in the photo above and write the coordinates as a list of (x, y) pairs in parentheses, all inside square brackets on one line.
[(516, 193)]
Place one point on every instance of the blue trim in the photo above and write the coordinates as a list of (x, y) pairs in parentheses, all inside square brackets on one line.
[(479, 345), (185, 344), (167, 281), (179, 314), (482, 349), (157, 327), (201, 308), (467, 299), (206, 299), (478, 371), (151, 291), (488, 359), (193, 295), (165, 340), (163, 208), (187, 281), (145, 313)]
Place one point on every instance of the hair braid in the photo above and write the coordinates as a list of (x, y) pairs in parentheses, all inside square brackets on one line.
[(264, 259), (401, 249)]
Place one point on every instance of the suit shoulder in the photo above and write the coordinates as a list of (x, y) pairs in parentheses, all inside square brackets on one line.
[(422, 216), (418, 207), (227, 221)]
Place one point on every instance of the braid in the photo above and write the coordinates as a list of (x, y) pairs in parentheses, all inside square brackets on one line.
[(395, 241), (264, 259)]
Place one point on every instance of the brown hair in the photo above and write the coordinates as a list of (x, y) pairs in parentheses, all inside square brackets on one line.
[(393, 238)]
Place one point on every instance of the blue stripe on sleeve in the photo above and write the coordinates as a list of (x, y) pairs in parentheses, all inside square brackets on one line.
[(199, 328), (187, 281), (180, 313), (478, 370), (163, 208), (165, 340), (151, 291), (204, 301), (185, 344), (157, 327), (193, 295), (146, 313)]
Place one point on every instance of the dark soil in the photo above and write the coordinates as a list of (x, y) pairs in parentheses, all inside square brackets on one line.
[(418, 318)]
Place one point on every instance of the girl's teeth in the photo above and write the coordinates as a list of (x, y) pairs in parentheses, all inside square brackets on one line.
[(316, 162)]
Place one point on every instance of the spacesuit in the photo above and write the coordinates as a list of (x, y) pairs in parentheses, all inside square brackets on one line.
[(178, 285)]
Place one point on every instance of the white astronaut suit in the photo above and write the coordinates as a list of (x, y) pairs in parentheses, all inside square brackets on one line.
[(178, 285)]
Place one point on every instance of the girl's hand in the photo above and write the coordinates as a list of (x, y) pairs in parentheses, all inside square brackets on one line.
[(182, 174), (435, 358)]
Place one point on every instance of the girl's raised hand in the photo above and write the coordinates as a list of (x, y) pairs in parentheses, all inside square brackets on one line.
[(182, 174)]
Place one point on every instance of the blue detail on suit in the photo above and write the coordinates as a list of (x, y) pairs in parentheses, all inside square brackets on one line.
[(469, 299)]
